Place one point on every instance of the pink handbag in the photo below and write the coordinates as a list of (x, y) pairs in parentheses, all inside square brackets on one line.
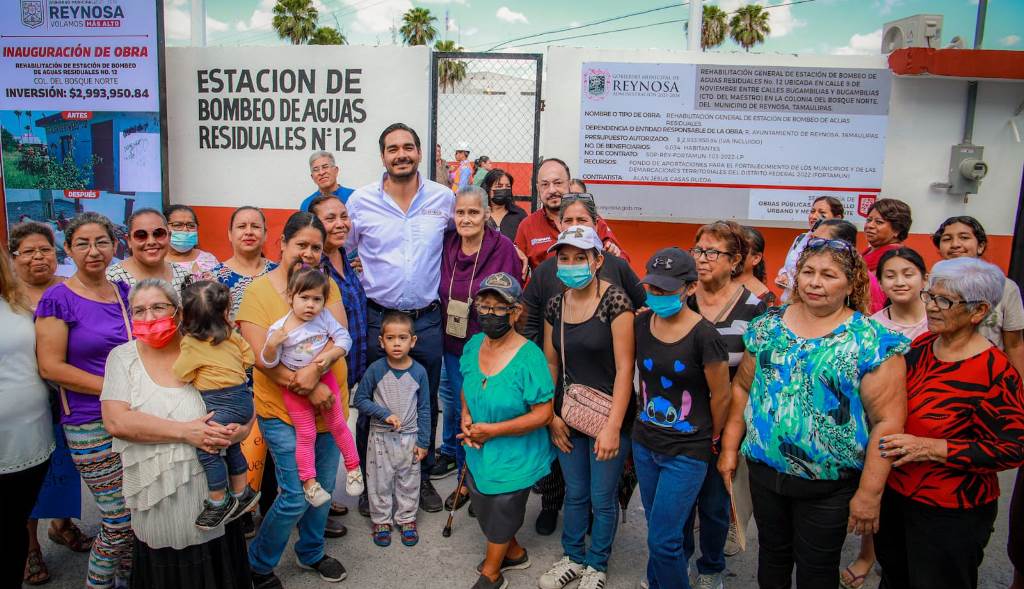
[(584, 408)]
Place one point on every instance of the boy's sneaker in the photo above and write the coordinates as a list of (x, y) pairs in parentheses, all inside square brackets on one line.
[(713, 581), (244, 502), (267, 581), (354, 482), (444, 465), (561, 574), (484, 583), (316, 496), (508, 564), (382, 534), (593, 579), (214, 515), (329, 568), (732, 542), (409, 534)]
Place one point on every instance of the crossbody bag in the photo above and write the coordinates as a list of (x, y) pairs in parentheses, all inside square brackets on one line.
[(584, 408)]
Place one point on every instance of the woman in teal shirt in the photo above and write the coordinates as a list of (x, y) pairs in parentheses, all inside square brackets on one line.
[(506, 407)]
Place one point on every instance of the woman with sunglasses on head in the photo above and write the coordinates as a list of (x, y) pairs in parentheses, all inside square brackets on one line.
[(817, 372), (505, 215), (148, 239), (844, 230), (823, 207), (78, 323), (184, 242), (965, 424)]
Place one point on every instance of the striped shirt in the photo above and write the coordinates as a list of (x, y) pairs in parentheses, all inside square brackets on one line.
[(734, 325)]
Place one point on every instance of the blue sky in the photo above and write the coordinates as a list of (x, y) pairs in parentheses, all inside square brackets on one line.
[(814, 26)]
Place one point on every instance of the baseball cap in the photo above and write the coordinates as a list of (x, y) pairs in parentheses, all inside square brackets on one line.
[(503, 285), (462, 146), (670, 268), (579, 236)]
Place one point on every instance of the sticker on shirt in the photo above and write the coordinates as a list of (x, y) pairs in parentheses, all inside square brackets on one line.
[(540, 240)]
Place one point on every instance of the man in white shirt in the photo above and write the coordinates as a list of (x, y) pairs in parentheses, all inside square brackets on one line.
[(398, 225)]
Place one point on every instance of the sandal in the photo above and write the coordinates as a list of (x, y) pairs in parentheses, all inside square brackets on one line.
[(856, 581), (70, 536), (36, 572)]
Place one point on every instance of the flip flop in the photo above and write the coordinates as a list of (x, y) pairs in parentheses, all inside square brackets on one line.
[(70, 536), (857, 580), (36, 572)]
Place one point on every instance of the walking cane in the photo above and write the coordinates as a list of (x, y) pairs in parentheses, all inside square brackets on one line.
[(447, 531)]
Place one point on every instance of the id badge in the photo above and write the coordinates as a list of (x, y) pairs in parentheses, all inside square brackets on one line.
[(458, 318)]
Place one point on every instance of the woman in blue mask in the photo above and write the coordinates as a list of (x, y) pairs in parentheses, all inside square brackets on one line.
[(683, 405), (588, 342), (184, 250)]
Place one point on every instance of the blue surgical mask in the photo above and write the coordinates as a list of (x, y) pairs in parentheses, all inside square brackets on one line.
[(184, 241), (575, 275), (664, 306)]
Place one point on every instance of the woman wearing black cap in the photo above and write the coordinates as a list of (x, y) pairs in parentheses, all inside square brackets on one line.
[(683, 403)]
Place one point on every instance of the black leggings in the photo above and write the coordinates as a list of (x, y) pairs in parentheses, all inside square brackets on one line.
[(20, 492)]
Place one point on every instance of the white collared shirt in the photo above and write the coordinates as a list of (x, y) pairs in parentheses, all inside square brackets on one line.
[(400, 251)]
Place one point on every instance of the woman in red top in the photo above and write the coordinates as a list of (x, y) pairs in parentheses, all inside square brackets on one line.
[(886, 227), (965, 423)]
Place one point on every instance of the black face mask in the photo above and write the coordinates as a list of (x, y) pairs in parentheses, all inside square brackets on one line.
[(493, 326), (502, 196)]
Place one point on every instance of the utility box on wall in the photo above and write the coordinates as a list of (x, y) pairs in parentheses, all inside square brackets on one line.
[(966, 168)]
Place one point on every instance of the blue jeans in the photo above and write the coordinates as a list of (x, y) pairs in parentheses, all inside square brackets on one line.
[(229, 405), (713, 506), (450, 396), (290, 507), (590, 485), (668, 490)]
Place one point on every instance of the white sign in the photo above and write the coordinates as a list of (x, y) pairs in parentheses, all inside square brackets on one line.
[(242, 122), (709, 141), (139, 159)]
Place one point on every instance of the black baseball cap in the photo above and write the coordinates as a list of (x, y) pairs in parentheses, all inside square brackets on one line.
[(503, 285), (669, 269)]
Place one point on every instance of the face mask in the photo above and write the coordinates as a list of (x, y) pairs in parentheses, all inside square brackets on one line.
[(493, 326), (183, 241), (664, 305), (155, 333), (502, 196), (575, 275)]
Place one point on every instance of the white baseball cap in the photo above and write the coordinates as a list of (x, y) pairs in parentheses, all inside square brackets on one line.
[(579, 236), (462, 146)]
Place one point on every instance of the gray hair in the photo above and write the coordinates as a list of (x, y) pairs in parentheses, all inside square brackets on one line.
[(969, 278), (319, 154), (476, 191), (588, 203), (158, 283)]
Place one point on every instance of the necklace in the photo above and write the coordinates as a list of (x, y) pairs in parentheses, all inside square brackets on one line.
[(92, 291)]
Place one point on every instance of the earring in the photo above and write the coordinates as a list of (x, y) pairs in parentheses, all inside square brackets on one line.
[(847, 300)]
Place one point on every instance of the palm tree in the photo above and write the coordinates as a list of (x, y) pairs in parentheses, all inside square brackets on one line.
[(749, 26), (328, 36), (714, 27), (17, 113), (417, 26), (295, 20), (449, 71)]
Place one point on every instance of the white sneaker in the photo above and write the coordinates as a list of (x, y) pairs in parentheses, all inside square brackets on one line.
[(560, 574), (593, 579), (709, 582), (732, 542), (316, 496), (644, 584), (354, 482)]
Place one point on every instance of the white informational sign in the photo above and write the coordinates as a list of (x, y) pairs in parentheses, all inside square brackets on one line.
[(720, 141), (140, 162), (242, 122)]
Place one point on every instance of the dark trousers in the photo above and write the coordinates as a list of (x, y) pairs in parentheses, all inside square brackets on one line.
[(921, 546), (20, 491), (428, 352), (229, 405), (801, 522), (552, 489)]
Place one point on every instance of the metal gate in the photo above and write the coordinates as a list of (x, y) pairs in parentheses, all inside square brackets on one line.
[(492, 102)]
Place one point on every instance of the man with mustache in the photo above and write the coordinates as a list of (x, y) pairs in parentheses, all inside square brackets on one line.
[(398, 226), (324, 172)]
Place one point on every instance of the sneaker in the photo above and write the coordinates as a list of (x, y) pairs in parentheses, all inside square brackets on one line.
[(354, 482), (316, 496), (593, 579), (267, 581), (732, 542), (410, 537), (444, 465), (713, 581), (214, 515), (508, 564), (329, 569), (547, 521), (560, 574), (430, 501), (245, 503), (644, 584), (484, 583), (364, 504), (382, 534)]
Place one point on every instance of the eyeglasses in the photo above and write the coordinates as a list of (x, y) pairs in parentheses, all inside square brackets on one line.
[(837, 245), (499, 310), (158, 309), (943, 303), (322, 168), (31, 252), (143, 235), (710, 254), (85, 246), (183, 226)]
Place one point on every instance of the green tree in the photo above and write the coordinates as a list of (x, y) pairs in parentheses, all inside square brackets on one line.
[(449, 71), (749, 26), (7, 141), (17, 113), (714, 27), (328, 36), (295, 20), (418, 26)]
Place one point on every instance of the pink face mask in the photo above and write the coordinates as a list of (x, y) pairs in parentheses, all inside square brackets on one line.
[(155, 333)]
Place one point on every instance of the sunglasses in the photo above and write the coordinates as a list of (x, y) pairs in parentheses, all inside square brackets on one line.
[(836, 245), (142, 235), (575, 196)]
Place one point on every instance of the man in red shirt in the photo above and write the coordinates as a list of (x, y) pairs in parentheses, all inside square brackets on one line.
[(539, 230)]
